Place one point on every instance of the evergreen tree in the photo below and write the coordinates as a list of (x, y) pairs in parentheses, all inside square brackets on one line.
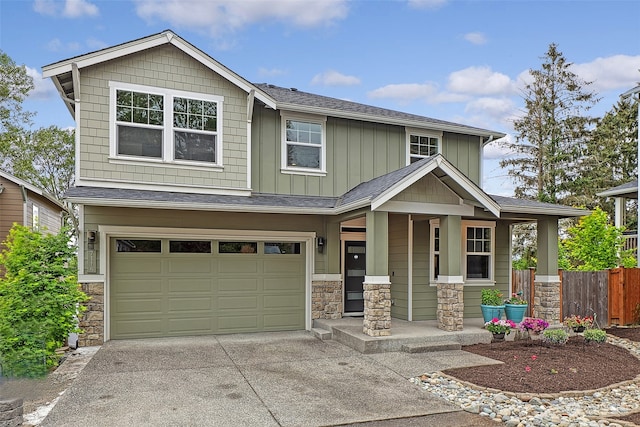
[(553, 132)]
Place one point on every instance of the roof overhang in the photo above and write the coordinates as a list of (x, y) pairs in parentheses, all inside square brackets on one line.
[(66, 83)]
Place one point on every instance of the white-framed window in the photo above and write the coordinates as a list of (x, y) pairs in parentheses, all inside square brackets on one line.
[(159, 124), (421, 144), (303, 144), (35, 218), (478, 251)]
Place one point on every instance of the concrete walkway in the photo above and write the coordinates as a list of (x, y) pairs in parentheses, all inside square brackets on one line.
[(267, 379)]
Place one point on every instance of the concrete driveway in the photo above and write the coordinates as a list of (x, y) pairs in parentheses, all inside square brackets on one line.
[(270, 379)]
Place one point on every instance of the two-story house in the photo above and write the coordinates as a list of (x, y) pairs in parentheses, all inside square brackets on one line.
[(209, 204)]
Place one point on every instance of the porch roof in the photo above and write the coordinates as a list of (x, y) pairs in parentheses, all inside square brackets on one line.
[(628, 189)]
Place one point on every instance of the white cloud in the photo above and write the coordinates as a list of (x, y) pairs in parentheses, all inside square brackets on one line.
[(273, 72), (496, 108), (43, 88), (68, 9), (476, 38), (613, 72), (427, 4), (56, 45), (480, 81), (334, 78), (497, 149), (224, 16)]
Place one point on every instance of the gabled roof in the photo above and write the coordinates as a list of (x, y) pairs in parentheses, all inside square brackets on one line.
[(21, 183), (62, 72), (628, 189), (296, 100), (533, 207)]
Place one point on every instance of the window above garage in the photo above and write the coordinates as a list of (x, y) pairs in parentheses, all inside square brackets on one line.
[(162, 125)]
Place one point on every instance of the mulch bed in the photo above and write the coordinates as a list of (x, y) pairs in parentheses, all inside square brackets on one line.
[(532, 367)]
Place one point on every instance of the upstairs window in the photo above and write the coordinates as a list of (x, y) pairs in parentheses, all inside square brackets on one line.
[(421, 145), (166, 125), (303, 145)]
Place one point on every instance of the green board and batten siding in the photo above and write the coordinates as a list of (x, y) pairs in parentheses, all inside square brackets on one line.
[(176, 294)]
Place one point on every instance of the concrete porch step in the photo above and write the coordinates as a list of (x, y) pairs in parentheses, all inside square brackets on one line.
[(427, 347), (321, 334)]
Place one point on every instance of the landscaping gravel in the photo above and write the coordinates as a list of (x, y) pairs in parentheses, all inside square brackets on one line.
[(593, 408)]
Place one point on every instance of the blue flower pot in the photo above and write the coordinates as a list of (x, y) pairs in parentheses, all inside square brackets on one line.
[(491, 311), (515, 312)]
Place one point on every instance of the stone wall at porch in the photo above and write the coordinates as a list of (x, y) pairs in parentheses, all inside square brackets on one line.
[(326, 299), (377, 309), (92, 320), (450, 309), (547, 301)]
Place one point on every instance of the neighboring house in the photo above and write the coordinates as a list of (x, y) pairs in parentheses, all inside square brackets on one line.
[(209, 204), (622, 193), (25, 204)]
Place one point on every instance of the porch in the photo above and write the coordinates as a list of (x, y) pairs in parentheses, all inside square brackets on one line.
[(411, 337)]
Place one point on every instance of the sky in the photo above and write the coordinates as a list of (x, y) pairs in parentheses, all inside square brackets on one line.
[(461, 61)]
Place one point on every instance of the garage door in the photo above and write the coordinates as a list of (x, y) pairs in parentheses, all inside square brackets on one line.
[(169, 287)]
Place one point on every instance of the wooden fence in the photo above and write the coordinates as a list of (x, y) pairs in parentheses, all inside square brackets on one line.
[(611, 296)]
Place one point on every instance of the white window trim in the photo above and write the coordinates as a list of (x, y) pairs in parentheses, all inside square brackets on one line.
[(435, 223), (421, 132), (167, 138), (321, 120)]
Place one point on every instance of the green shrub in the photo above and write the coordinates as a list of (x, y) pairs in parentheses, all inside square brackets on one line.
[(491, 297), (39, 300), (595, 335), (555, 336)]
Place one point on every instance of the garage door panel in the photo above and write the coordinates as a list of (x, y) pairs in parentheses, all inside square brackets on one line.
[(173, 294), (190, 325), (191, 266), (183, 285), (238, 284), (131, 264), (138, 305), (230, 303), (145, 287), (288, 301), (190, 304), (238, 264)]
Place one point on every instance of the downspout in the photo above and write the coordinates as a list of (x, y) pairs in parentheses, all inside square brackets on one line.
[(25, 218), (250, 101), (410, 269)]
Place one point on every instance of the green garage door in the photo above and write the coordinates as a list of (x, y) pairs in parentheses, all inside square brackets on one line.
[(166, 287)]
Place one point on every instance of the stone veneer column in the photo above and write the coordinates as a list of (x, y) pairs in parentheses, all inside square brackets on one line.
[(92, 320), (326, 297), (377, 306), (546, 299), (450, 309)]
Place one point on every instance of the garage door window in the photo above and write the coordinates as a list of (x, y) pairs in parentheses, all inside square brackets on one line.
[(127, 245), (190, 246), (238, 247), (281, 248)]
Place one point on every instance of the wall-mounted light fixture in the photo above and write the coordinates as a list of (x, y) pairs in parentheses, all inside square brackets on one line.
[(320, 242)]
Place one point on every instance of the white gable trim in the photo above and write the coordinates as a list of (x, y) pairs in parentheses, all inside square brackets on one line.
[(440, 162)]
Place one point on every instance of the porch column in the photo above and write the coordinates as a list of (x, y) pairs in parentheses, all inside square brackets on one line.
[(377, 285), (547, 281), (450, 284)]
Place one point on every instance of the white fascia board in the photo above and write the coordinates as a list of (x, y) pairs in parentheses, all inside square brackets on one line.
[(629, 192), (150, 186), (390, 120), (547, 211), (198, 206)]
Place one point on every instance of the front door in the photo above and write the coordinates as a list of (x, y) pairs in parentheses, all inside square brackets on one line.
[(354, 267)]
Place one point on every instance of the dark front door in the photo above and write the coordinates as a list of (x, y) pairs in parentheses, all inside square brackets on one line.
[(355, 267)]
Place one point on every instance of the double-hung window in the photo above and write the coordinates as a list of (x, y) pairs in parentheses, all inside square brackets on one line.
[(421, 144), (478, 248), (165, 125), (303, 144)]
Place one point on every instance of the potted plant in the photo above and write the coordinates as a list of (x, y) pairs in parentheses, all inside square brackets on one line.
[(578, 323), (499, 327), (491, 304), (533, 325), (515, 307)]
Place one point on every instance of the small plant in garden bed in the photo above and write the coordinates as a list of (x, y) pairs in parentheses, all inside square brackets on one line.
[(533, 325), (516, 298), (491, 297), (499, 326), (576, 321), (555, 336), (595, 335)]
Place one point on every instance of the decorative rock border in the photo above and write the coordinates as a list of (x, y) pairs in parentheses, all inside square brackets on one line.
[(11, 413), (584, 408)]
